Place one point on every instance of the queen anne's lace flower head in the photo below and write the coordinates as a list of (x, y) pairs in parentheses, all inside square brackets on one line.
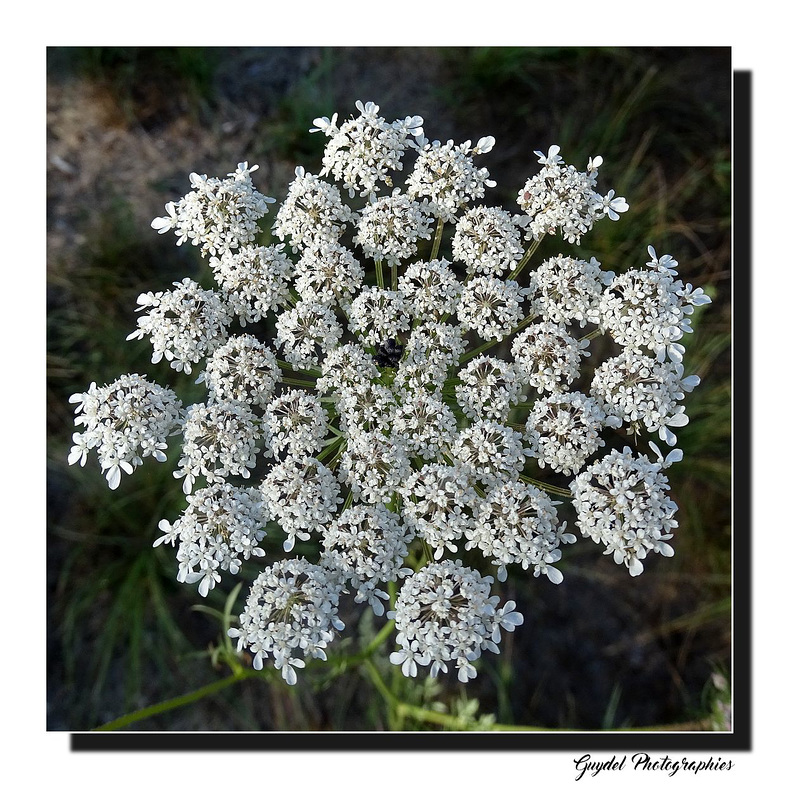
[(126, 420), (390, 228), (219, 439), (313, 210), (222, 525), (378, 314), (431, 350), (488, 387), (561, 198), (220, 214), (438, 505), (295, 423), (292, 611), (426, 425), (184, 325), (644, 392), (366, 407), (493, 452), (548, 358), (307, 333), (327, 273), (357, 415), (491, 307), (373, 465), (346, 366), (431, 289), (444, 614), (563, 430), (649, 309)]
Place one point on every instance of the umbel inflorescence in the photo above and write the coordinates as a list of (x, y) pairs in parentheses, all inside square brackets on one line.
[(417, 406)]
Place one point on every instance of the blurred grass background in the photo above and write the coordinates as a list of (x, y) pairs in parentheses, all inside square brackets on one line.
[(125, 128)]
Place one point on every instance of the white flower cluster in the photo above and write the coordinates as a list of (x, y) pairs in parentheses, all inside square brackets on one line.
[(220, 214), (366, 547), (649, 309), (219, 440), (488, 240), (363, 151), (222, 525), (622, 503), (357, 421), (564, 430), (302, 495), (242, 370), (445, 613), (491, 307), (517, 524), (390, 228), (293, 606), (125, 420), (565, 290), (254, 280), (445, 177), (185, 325), (561, 198)]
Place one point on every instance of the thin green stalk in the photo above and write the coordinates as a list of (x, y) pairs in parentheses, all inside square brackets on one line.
[(176, 702), (394, 276), (593, 335), (285, 365), (401, 709), (546, 487), (379, 272), (492, 342), (298, 382), (477, 351), (335, 460), (330, 449), (351, 661), (437, 239), (526, 258)]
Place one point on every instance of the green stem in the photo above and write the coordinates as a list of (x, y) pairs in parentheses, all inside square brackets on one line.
[(335, 460), (285, 365), (437, 239), (526, 258), (331, 448), (448, 721), (350, 661), (546, 487), (394, 276), (492, 342), (175, 702), (298, 382), (593, 335), (379, 272), (477, 351)]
